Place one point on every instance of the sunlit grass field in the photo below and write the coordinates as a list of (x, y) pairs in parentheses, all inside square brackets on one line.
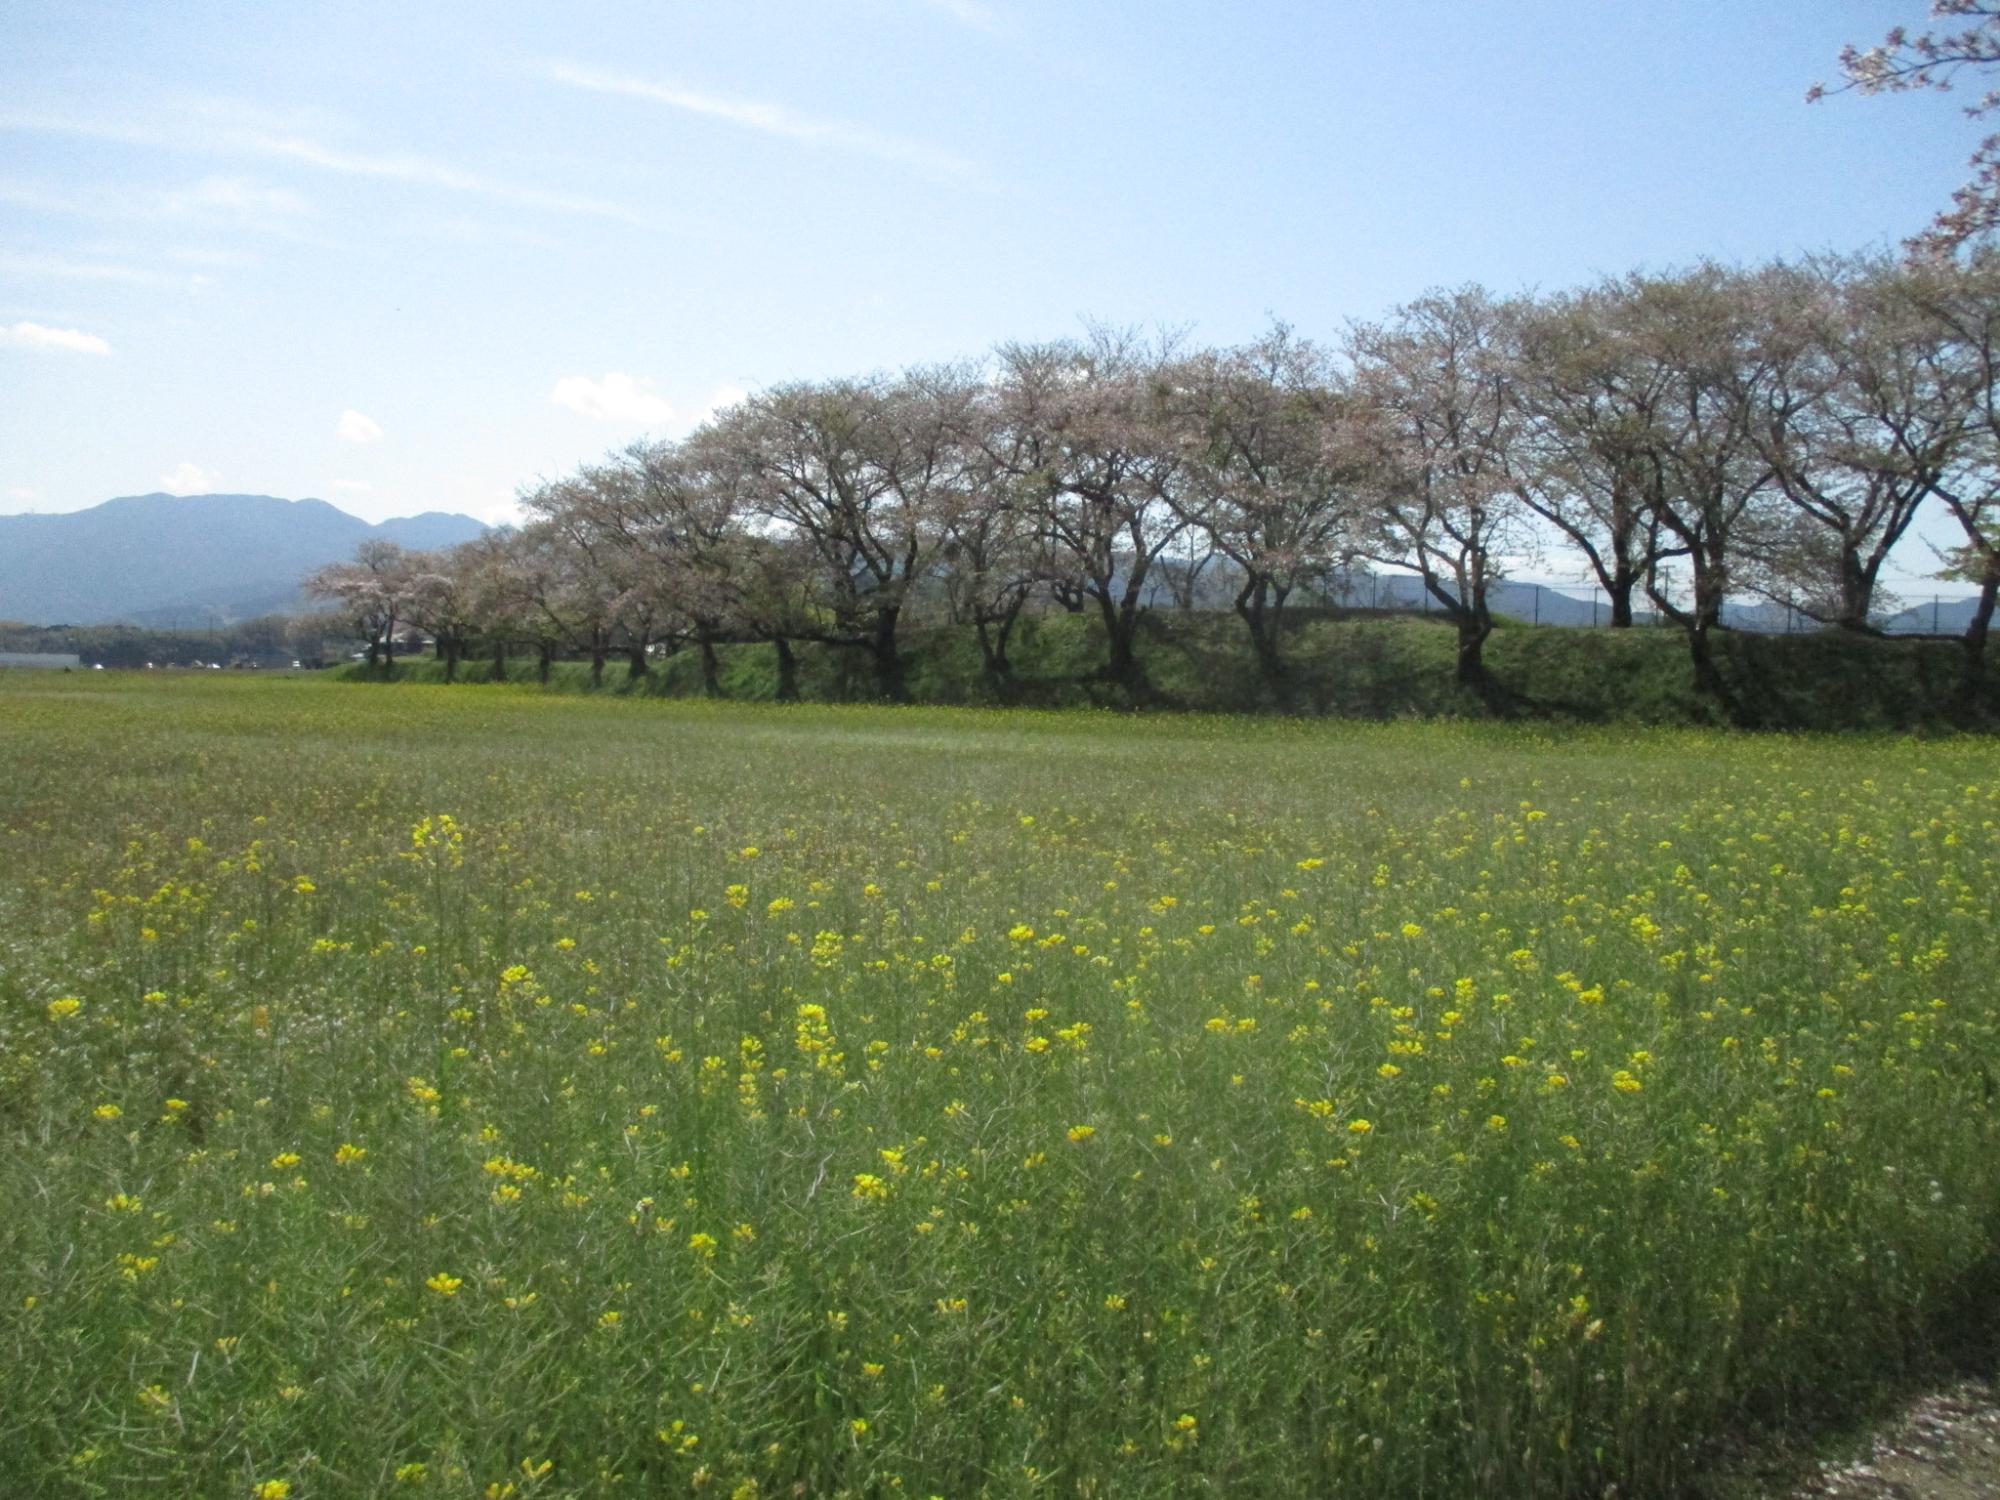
[(470, 1092)]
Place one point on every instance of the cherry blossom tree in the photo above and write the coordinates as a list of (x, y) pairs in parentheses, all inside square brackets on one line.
[(1273, 471), (1081, 424), (1439, 420)]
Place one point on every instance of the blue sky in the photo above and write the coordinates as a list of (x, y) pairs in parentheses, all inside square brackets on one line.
[(409, 257)]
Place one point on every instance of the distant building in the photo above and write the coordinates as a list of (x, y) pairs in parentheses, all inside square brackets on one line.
[(39, 659)]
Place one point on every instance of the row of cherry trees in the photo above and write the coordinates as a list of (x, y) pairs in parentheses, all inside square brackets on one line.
[(1694, 435)]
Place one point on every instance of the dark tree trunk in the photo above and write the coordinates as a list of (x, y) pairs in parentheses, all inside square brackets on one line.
[(545, 660), (788, 671), (499, 661), (635, 661), (1976, 632), (598, 653), (1122, 663), (888, 662), (711, 675), (1701, 650), (1857, 589), (1624, 578), (1121, 626), (374, 654), (1253, 603), (995, 631), (1474, 626), (449, 650)]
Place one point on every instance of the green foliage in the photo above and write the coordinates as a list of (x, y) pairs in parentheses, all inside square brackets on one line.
[(455, 1092)]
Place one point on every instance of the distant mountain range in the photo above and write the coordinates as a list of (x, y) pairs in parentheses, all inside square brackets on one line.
[(1547, 606), (166, 560)]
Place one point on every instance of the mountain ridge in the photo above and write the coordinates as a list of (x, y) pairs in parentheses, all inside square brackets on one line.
[(159, 559)]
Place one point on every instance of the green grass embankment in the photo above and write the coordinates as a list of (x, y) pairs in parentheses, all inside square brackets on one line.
[(1356, 667)]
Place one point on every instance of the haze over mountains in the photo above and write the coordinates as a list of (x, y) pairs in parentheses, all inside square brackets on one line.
[(164, 560)]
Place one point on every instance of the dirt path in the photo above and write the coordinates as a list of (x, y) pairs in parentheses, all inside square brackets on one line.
[(1946, 1446)]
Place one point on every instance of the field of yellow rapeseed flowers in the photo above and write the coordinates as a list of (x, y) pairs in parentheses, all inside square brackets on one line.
[(456, 1092)]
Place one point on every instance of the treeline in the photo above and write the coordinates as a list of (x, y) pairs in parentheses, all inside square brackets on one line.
[(1775, 431)]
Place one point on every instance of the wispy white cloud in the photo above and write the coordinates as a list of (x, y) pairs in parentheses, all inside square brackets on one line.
[(769, 119), (232, 200), (236, 198), (720, 399), (422, 172), (209, 256), (615, 398), (225, 128), (41, 199), (353, 427), (87, 270), (189, 479), (40, 336), (968, 13)]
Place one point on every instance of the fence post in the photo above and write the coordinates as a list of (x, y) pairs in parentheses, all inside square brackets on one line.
[(1538, 604)]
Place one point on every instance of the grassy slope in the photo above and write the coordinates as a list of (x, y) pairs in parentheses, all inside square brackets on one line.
[(1378, 668)]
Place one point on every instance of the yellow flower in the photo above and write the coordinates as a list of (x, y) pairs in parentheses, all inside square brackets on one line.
[(273, 1489), (1082, 1132), (445, 1284), (69, 1005)]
